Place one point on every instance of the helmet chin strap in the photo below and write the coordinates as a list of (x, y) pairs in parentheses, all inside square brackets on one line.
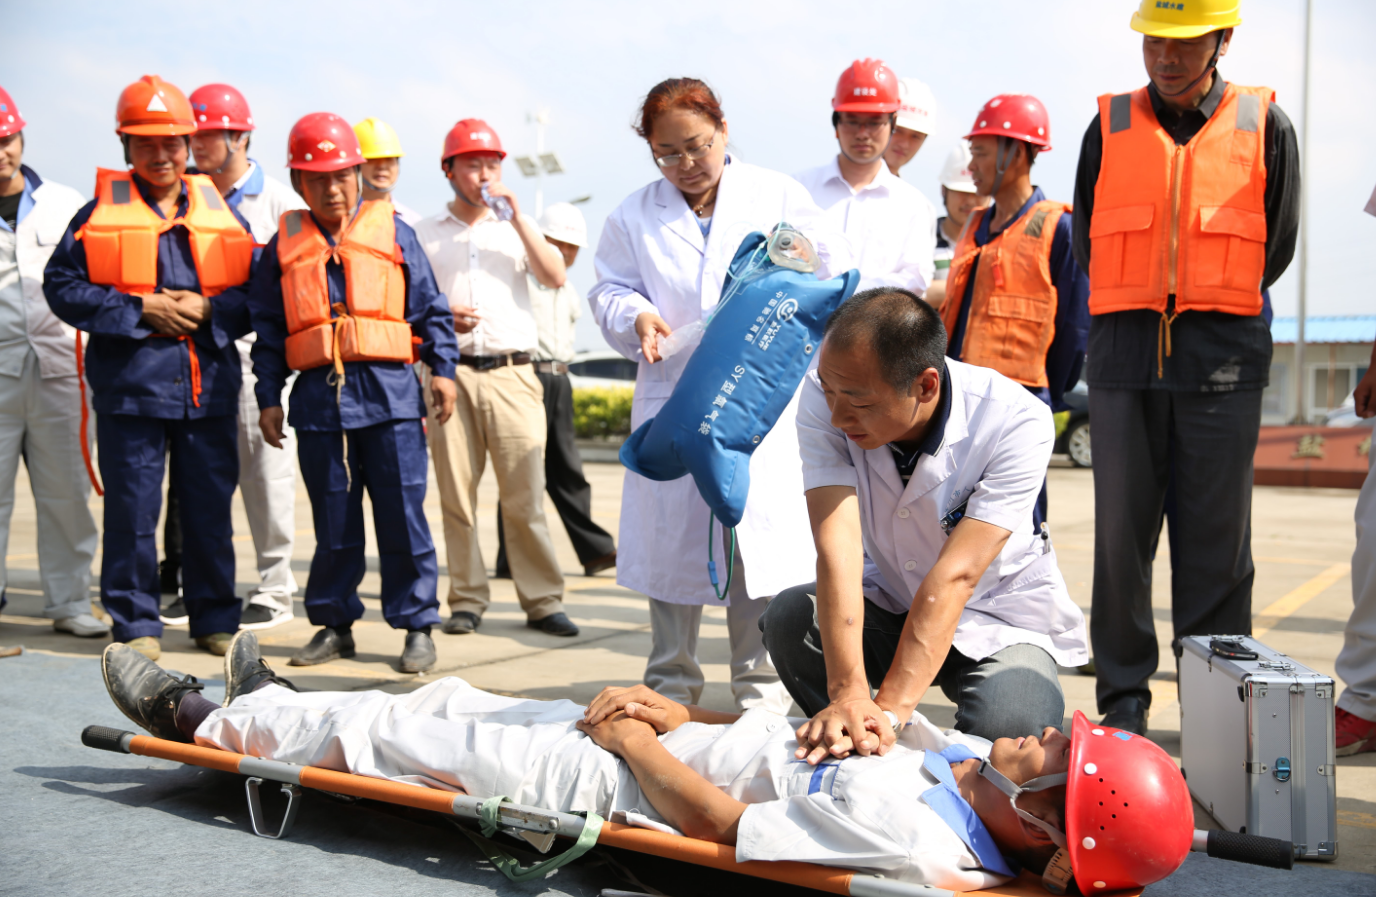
[(1007, 786), (1008, 147), (1213, 61), (375, 188), (229, 153), (459, 194)]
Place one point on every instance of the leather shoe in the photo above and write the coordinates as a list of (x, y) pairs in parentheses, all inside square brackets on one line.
[(419, 654), (144, 691), (1128, 714), (555, 624), (245, 669), (605, 562), (461, 622), (326, 645)]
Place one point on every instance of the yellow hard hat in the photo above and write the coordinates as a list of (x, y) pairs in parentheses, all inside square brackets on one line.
[(377, 139), (1187, 19)]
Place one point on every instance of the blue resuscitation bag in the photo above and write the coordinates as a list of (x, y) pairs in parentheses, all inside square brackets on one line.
[(754, 353)]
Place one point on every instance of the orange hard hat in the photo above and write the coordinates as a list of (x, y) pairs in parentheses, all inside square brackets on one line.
[(150, 106), (471, 135), (11, 122), (322, 141), (868, 85)]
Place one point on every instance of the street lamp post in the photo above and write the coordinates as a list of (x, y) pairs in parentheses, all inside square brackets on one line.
[(542, 163), (1301, 404)]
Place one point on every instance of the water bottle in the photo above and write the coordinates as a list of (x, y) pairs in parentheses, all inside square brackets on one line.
[(684, 339), (500, 205)]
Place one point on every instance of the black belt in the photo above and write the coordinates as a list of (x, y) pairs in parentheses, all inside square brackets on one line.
[(551, 367), (489, 362)]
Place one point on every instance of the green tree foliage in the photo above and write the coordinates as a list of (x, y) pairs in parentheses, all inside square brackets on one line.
[(602, 412)]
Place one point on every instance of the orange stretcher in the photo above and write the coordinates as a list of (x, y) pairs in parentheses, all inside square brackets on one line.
[(536, 825)]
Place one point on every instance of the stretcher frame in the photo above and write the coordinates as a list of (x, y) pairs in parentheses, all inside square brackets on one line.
[(537, 826)]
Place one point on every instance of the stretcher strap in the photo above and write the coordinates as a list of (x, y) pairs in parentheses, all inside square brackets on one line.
[(508, 864), (85, 417)]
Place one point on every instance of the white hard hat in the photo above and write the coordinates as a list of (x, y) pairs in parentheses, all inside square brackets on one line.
[(916, 106), (955, 174), (563, 222)]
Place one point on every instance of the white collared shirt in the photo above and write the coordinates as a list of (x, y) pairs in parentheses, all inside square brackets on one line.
[(992, 460), (890, 224), (556, 311), (483, 266)]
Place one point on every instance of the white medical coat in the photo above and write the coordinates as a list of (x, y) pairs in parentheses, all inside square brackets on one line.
[(867, 813), (652, 257), (994, 455)]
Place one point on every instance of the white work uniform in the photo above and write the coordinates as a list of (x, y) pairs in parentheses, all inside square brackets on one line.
[(267, 476), (40, 402), (653, 257), (863, 813), (993, 459), (889, 223)]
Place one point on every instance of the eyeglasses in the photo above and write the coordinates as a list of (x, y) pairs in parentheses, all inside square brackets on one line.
[(868, 124), (675, 160)]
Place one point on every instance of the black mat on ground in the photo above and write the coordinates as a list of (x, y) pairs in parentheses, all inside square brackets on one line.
[(78, 820)]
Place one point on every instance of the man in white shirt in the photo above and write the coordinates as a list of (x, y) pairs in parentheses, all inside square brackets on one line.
[(382, 164), (921, 476), (913, 123), (267, 476), (480, 262), (40, 388), (890, 224)]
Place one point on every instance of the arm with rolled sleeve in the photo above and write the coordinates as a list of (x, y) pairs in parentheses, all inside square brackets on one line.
[(427, 309), (618, 297), (269, 319), (87, 306)]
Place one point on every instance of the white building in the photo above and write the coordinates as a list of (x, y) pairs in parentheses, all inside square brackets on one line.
[(1337, 351)]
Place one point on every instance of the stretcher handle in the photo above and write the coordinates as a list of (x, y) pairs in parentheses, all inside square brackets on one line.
[(1240, 848), (107, 739)]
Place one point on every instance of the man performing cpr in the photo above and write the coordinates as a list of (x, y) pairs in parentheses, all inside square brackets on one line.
[(921, 475), (938, 808)]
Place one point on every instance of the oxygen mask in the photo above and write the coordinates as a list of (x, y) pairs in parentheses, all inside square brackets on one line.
[(788, 248)]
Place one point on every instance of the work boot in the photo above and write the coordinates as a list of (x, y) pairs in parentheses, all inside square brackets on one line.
[(555, 624), (330, 643), (1128, 714), (461, 622), (216, 643), (419, 655), (144, 691), (1354, 734), (245, 669), (146, 645)]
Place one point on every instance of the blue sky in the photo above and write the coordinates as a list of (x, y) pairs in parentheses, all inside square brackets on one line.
[(423, 65)]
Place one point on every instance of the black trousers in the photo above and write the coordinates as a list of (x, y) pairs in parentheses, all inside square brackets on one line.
[(1197, 449), (564, 481)]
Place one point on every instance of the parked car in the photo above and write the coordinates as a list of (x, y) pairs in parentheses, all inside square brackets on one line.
[(601, 369), (1074, 440)]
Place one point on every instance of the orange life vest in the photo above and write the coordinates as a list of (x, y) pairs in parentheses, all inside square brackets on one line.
[(1012, 316), (121, 236), (371, 324), (1185, 220)]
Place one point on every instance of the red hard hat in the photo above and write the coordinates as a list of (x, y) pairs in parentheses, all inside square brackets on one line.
[(867, 86), (1017, 115), (221, 106), (150, 106), (471, 135), (322, 141), (11, 122), (1129, 819)]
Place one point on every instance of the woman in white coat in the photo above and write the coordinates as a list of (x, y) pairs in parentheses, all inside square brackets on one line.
[(660, 265)]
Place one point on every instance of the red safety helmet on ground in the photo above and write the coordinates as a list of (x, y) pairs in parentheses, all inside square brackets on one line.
[(11, 122), (219, 106), (152, 107), (867, 86), (471, 135), (1129, 819), (322, 141), (1017, 115)]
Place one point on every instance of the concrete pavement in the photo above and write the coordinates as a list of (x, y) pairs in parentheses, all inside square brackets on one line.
[(1302, 539)]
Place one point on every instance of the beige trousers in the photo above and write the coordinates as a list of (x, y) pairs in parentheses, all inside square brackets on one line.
[(501, 413)]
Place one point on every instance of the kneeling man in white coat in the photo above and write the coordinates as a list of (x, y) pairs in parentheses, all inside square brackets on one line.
[(921, 474)]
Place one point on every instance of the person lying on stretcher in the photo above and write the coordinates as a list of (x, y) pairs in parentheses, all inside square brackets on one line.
[(937, 807)]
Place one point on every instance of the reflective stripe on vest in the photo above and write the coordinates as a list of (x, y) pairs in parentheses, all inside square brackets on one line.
[(121, 236), (1185, 220), (1012, 316), (370, 325)]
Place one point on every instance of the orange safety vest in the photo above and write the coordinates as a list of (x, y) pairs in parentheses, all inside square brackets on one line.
[(371, 324), (1012, 316), (1188, 221)]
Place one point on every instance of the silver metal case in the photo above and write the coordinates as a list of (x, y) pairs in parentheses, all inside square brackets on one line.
[(1257, 743)]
